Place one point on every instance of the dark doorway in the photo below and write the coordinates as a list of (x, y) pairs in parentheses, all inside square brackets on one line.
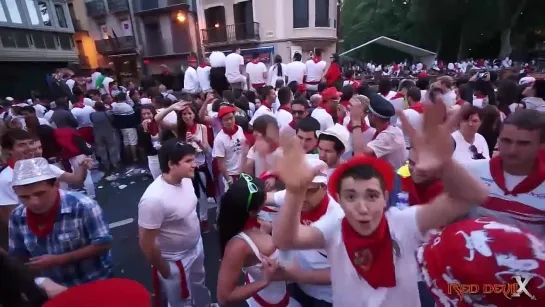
[(244, 20), (154, 41), (216, 29)]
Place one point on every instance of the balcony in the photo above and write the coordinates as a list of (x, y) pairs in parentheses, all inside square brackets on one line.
[(247, 32), (158, 6), (118, 6), (123, 44), (96, 8)]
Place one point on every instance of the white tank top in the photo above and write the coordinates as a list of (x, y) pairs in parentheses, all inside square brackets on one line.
[(200, 158)]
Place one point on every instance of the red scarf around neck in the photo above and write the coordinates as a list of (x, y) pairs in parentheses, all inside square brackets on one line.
[(79, 104), (230, 132), (251, 223), (372, 256), (255, 61), (266, 104), (530, 183), (317, 59), (11, 163), (324, 106), (293, 125), (203, 65), (421, 193), (285, 108), (418, 107), (41, 225), (309, 217), (192, 129), (379, 131), (364, 127)]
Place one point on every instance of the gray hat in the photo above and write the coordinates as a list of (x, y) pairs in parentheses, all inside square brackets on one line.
[(31, 171)]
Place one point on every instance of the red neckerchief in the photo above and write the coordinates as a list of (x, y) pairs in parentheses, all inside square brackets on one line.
[(379, 131), (285, 108), (418, 107), (364, 127), (203, 65), (317, 59), (309, 217), (250, 138), (230, 132), (293, 124), (192, 129), (397, 96), (324, 106), (266, 104), (255, 61), (480, 96), (421, 193), (153, 128), (251, 223), (41, 225), (530, 183), (79, 104), (11, 163), (372, 256)]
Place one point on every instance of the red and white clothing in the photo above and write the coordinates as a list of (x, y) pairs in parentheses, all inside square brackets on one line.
[(367, 134), (398, 101), (389, 144), (179, 240), (263, 163), (524, 203), (296, 71), (283, 116), (262, 110), (389, 96), (349, 289), (273, 74), (315, 72), (191, 81), (230, 147), (255, 71), (233, 61), (323, 117)]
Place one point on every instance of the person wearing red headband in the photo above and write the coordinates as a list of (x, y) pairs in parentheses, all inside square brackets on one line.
[(371, 250), (191, 79), (324, 112)]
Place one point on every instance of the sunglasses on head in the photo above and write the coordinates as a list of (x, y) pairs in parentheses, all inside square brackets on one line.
[(252, 188)]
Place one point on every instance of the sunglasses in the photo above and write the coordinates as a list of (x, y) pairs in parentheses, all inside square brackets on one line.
[(297, 112), (252, 188), (476, 154)]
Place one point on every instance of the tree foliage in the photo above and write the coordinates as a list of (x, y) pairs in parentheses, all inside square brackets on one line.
[(454, 28)]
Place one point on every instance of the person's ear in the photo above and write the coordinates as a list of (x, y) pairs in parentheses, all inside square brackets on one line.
[(386, 198)]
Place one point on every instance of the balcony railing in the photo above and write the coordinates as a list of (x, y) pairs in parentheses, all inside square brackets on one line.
[(123, 44), (234, 33), (146, 6), (96, 8), (118, 6)]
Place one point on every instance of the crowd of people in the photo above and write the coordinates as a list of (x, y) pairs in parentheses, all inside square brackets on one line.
[(329, 191)]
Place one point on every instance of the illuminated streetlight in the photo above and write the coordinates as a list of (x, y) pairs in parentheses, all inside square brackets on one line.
[(217, 25), (180, 17)]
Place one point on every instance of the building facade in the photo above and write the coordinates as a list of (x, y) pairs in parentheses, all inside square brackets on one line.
[(168, 32), (89, 58), (35, 39), (111, 27), (269, 27)]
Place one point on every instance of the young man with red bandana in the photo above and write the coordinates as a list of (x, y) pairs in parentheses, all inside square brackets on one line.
[(323, 112), (299, 111), (371, 250), (516, 177), (315, 71), (283, 115)]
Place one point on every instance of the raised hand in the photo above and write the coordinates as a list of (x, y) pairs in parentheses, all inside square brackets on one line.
[(292, 167), (180, 105)]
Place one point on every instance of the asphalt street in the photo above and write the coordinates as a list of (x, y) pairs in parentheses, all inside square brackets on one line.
[(120, 207)]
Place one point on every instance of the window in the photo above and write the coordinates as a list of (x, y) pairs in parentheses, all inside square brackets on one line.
[(21, 39), (45, 13), (322, 13), (2, 14), (13, 11), (32, 12), (300, 13), (38, 40), (59, 10), (49, 41), (7, 39), (65, 41)]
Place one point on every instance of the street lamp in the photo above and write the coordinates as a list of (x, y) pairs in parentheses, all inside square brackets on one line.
[(217, 25), (180, 17)]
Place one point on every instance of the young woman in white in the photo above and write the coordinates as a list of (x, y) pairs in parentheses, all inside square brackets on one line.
[(149, 138)]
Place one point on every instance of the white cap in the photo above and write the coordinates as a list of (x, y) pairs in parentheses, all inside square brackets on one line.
[(341, 133), (10, 99), (526, 80), (31, 171), (316, 163)]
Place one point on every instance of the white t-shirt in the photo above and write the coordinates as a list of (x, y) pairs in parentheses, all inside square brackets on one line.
[(273, 74), (390, 145), (525, 210), (40, 110), (255, 72), (172, 210), (449, 98), (262, 164), (262, 110), (233, 61), (390, 95), (534, 103), (315, 71), (415, 119), (295, 71), (203, 75), (324, 118), (230, 148), (283, 118), (191, 81), (83, 115), (70, 83), (7, 195), (43, 121), (462, 153), (351, 290), (106, 85)]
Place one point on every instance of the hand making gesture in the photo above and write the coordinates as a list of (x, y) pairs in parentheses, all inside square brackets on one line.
[(292, 167)]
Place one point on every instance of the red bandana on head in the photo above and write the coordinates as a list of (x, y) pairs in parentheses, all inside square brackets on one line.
[(530, 183), (418, 107), (41, 225), (309, 217), (372, 256)]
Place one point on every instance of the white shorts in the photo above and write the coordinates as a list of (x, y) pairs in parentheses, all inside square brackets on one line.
[(130, 137)]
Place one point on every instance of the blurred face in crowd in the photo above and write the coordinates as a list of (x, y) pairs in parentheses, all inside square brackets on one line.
[(298, 111), (314, 195), (271, 96), (185, 168), (327, 153), (38, 197), (22, 149), (146, 114), (471, 125), (363, 202), (136, 96), (108, 99), (37, 150), (518, 147), (228, 121), (188, 116), (308, 140)]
